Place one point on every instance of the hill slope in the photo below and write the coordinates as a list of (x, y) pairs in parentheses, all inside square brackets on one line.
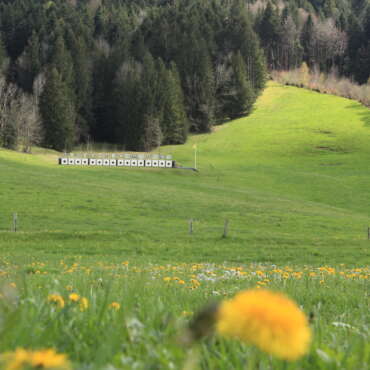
[(292, 178)]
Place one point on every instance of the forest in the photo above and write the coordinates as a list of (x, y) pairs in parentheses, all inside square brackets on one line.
[(143, 73)]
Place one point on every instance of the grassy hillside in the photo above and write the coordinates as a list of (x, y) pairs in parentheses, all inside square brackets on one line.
[(293, 179), (104, 271)]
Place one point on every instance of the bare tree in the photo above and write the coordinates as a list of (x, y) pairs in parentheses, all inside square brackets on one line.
[(20, 124), (8, 94)]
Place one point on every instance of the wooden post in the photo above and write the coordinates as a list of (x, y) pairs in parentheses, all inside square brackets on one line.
[(226, 228), (191, 226), (14, 222)]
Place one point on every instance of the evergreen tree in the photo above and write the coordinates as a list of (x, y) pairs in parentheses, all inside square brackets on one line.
[(61, 59), (151, 134), (82, 81), (308, 41), (240, 97), (174, 121), (3, 55), (8, 136), (29, 64), (57, 112), (270, 33)]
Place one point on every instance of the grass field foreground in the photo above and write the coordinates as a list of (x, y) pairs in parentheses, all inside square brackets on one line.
[(113, 244)]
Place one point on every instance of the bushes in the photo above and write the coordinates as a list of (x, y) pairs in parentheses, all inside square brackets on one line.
[(326, 84)]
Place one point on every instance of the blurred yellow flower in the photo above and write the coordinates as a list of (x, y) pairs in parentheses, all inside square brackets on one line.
[(115, 306), (15, 360), (74, 297), (56, 299), (269, 320), (48, 359), (42, 359), (84, 304)]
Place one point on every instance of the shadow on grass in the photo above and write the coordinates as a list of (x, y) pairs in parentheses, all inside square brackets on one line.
[(362, 111)]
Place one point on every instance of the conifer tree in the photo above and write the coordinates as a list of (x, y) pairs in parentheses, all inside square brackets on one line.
[(57, 112), (308, 41), (241, 96), (61, 59), (3, 55), (174, 120), (270, 33), (82, 81), (29, 64)]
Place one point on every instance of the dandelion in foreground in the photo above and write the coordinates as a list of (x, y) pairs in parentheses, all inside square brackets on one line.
[(84, 304), (27, 359), (115, 306), (49, 359), (74, 297), (56, 299), (269, 320)]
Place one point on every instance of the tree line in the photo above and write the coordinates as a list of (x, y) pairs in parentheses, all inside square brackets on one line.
[(143, 73)]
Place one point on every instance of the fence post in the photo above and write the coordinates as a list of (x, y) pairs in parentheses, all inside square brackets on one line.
[(191, 226), (368, 233), (14, 222), (226, 228)]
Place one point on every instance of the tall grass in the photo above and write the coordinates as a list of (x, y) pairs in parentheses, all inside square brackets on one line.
[(326, 84)]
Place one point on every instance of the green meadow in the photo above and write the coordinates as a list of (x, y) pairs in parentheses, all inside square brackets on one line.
[(293, 181)]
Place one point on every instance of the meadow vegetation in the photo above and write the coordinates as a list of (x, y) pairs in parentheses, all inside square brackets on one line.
[(103, 267), (330, 83)]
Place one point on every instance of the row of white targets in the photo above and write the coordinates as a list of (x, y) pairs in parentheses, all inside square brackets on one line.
[(117, 162)]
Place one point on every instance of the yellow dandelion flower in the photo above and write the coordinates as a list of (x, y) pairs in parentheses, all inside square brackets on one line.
[(268, 320), (15, 360), (74, 297), (181, 282), (115, 306), (42, 359), (49, 359), (84, 304), (56, 299), (167, 279), (195, 282)]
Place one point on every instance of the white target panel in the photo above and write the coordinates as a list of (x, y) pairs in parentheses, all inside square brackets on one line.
[(162, 164), (92, 162), (63, 160), (140, 163), (155, 163), (113, 162), (106, 162), (85, 162), (77, 161), (133, 162), (148, 163), (120, 162), (71, 161), (168, 164), (99, 162), (127, 162)]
